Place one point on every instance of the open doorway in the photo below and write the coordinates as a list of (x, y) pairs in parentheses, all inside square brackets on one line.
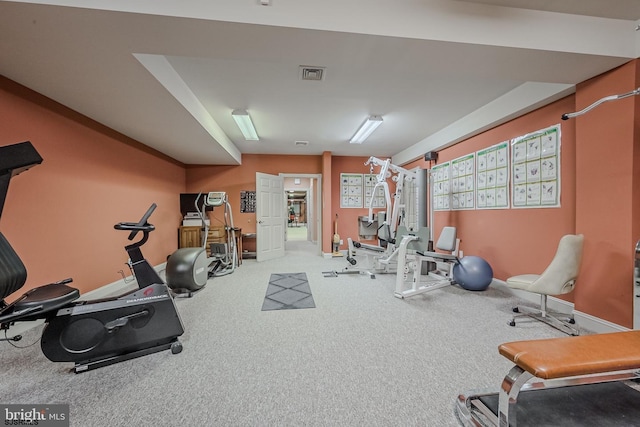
[(297, 217), (304, 212)]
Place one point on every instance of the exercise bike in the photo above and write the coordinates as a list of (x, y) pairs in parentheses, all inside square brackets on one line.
[(186, 268), (91, 334)]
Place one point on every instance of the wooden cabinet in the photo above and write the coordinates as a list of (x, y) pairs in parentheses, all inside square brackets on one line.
[(191, 237)]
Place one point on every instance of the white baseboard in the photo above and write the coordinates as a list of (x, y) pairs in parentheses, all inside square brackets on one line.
[(119, 287), (109, 290), (596, 324), (584, 320)]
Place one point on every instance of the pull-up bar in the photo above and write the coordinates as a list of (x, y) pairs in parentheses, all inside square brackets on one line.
[(568, 116)]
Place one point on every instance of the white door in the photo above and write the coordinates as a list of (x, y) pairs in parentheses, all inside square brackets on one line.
[(270, 216)]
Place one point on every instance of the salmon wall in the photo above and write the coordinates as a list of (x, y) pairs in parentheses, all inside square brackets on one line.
[(234, 179), (608, 194), (59, 215), (514, 241), (600, 198), (327, 205)]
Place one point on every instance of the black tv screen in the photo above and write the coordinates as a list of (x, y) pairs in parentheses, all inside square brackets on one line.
[(188, 203)]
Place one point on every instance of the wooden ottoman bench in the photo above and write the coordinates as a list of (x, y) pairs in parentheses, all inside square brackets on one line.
[(579, 381)]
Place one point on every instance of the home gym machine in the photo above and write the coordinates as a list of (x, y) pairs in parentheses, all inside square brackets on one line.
[(420, 268), (405, 213), (91, 334)]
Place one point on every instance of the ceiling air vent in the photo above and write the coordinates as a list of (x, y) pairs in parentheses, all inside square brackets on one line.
[(312, 73), (301, 143)]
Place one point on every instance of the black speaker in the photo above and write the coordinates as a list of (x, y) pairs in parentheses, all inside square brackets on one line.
[(431, 155)]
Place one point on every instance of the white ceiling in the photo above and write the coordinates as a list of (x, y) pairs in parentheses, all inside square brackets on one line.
[(616, 9), (168, 74)]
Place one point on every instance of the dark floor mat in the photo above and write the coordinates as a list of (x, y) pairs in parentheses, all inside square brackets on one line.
[(590, 405), (288, 291)]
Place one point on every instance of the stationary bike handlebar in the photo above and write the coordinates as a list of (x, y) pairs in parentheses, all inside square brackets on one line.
[(141, 225), (134, 226)]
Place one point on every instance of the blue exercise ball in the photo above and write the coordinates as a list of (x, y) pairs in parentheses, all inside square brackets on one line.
[(473, 273)]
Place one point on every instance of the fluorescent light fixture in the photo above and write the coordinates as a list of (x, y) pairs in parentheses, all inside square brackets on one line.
[(366, 129), (243, 120)]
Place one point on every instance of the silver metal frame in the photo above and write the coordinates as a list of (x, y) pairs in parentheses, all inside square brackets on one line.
[(544, 315), (384, 259), (473, 413), (409, 279)]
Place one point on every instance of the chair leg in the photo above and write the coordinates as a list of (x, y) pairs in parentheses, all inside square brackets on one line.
[(543, 315)]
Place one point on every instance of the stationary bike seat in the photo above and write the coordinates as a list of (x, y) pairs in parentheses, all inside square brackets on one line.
[(38, 301)]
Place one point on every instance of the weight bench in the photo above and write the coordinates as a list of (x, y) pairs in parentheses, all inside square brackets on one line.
[(572, 381), (414, 251)]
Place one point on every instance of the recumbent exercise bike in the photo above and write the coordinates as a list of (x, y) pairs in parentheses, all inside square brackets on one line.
[(95, 333)]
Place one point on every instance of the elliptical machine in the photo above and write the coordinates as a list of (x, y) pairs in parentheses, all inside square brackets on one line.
[(91, 334), (188, 269), (224, 256)]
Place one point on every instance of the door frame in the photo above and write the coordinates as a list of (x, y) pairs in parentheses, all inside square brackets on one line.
[(317, 203)]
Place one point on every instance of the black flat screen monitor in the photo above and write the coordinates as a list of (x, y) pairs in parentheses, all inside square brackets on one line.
[(188, 203)]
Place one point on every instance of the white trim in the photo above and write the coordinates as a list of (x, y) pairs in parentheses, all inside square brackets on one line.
[(317, 204), (160, 68), (596, 324), (109, 290)]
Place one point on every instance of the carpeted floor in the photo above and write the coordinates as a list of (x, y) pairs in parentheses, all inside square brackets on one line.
[(360, 358), (287, 291)]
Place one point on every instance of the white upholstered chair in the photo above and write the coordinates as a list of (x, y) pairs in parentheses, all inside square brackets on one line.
[(558, 278)]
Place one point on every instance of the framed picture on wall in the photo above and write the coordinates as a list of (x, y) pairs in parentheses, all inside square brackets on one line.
[(351, 190), (492, 177), (535, 167)]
